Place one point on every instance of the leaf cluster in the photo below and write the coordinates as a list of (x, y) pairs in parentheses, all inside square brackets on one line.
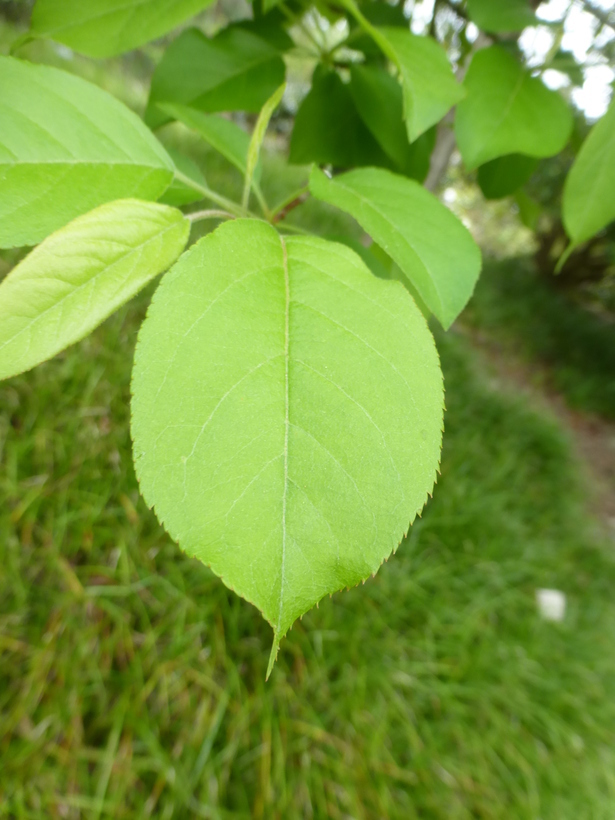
[(287, 398)]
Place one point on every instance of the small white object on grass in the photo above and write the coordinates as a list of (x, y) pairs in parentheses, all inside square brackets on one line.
[(551, 604)]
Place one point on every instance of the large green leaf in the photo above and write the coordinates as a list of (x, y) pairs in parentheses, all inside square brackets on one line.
[(431, 246), (104, 28), (78, 276), (233, 71), (286, 414), (66, 146), (378, 99), (501, 15), (429, 85), (504, 175), (589, 192), (507, 111), (329, 130)]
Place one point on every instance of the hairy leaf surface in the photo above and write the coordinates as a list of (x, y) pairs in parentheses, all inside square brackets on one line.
[(501, 15), (429, 85), (507, 111), (286, 414), (589, 192), (431, 246), (78, 276), (104, 28), (233, 71), (66, 146)]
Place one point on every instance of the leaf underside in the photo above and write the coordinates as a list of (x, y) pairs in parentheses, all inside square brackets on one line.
[(286, 415), (431, 246), (589, 192), (507, 111)]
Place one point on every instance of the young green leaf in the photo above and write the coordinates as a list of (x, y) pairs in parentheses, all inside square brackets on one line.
[(378, 99), (501, 16), (80, 275), (233, 71), (507, 111), (589, 192), (66, 146), (329, 130), (504, 175), (256, 141), (104, 28), (286, 415), (431, 246), (429, 85)]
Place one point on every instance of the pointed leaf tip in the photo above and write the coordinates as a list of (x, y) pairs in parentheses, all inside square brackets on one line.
[(273, 655)]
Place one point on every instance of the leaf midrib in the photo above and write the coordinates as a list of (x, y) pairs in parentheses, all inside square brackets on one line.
[(286, 420), (92, 162)]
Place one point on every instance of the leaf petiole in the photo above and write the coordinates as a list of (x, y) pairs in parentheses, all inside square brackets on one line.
[(288, 203), (199, 216)]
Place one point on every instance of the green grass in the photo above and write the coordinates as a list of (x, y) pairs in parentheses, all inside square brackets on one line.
[(132, 681), (522, 312)]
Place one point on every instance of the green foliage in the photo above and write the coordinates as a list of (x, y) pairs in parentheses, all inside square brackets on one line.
[(222, 134), (589, 192), (328, 435), (504, 175), (506, 111), (234, 71), (78, 276), (432, 248), (378, 99), (66, 146), (231, 372), (180, 193), (429, 85), (100, 28), (328, 129), (501, 16)]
